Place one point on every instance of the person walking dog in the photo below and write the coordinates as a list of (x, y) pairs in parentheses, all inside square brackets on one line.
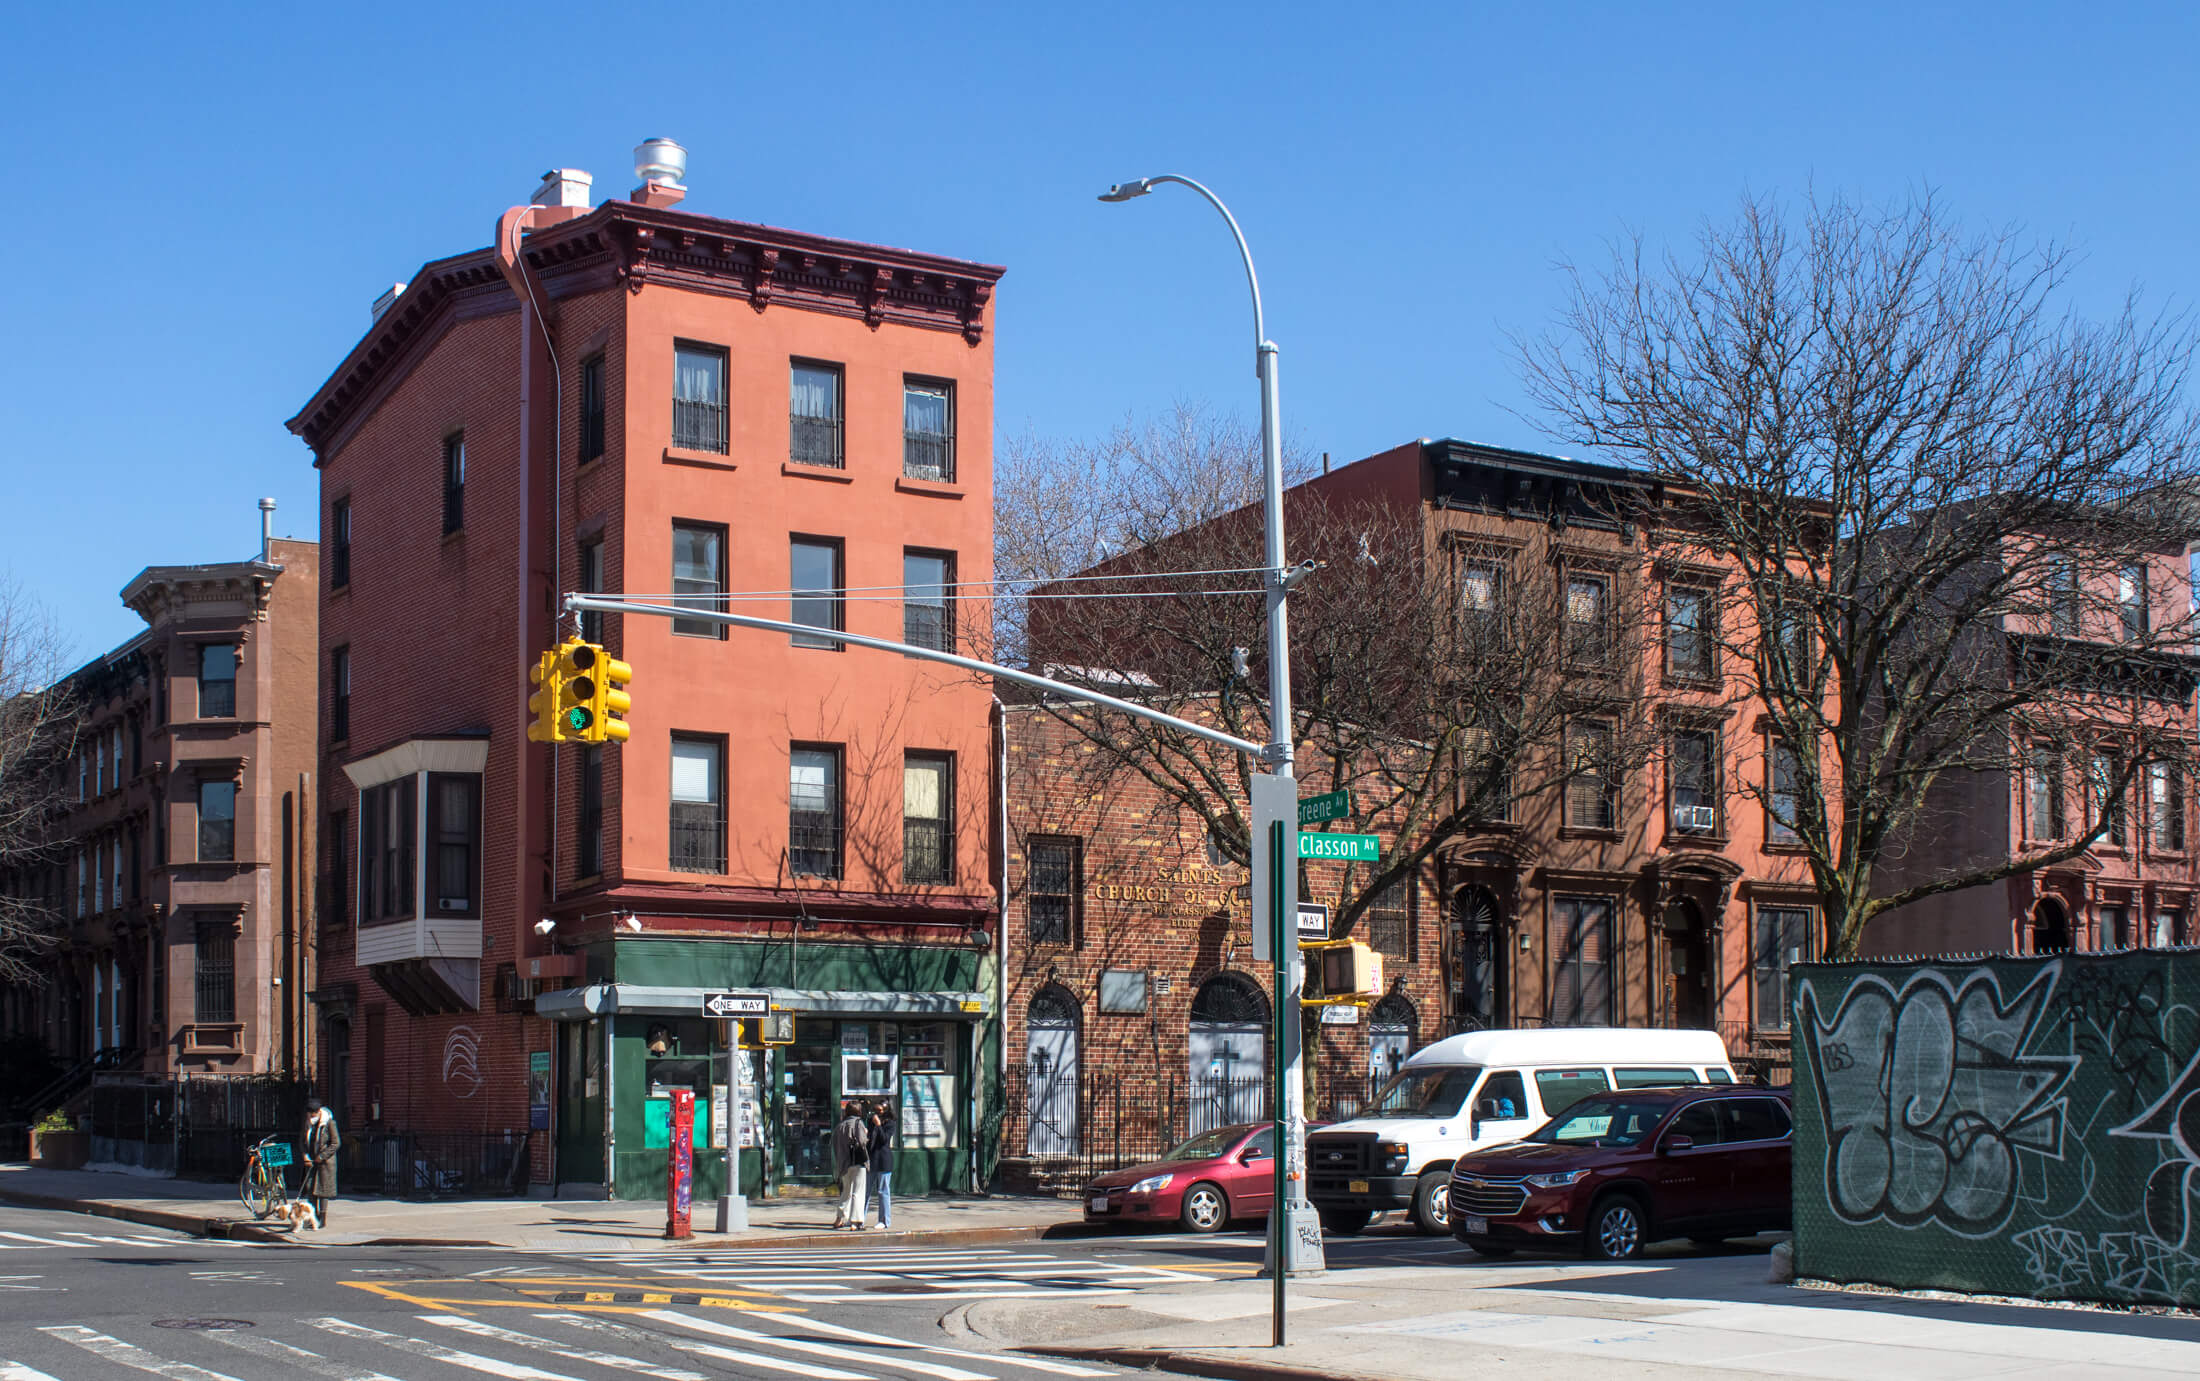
[(882, 1162), (851, 1144), (322, 1143)]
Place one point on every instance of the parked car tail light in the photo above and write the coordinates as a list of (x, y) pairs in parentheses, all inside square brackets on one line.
[(1559, 1180), (1391, 1156), (1152, 1184)]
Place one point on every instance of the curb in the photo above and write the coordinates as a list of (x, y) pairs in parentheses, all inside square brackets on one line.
[(1190, 1363), (197, 1224)]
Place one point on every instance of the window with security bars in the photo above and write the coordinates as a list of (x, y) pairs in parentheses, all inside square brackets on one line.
[(1581, 962), (1592, 787), (1390, 919), (214, 973), (592, 408), (698, 398), (698, 841), (454, 482), (928, 429), (814, 414), (217, 681), (813, 810), (927, 607), (927, 808), (217, 821), (1052, 887), (1782, 935)]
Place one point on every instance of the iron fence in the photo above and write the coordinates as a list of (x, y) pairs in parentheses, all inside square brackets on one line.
[(1085, 1126), (197, 1126), (430, 1165)]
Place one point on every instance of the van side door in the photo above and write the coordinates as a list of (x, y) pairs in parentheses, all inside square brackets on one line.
[(1499, 1109)]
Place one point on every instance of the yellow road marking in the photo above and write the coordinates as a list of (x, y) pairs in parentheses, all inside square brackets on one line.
[(606, 1301)]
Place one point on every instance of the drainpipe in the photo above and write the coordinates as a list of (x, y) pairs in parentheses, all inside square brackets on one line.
[(1000, 923)]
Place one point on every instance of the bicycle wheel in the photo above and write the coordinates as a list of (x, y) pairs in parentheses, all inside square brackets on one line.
[(252, 1187)]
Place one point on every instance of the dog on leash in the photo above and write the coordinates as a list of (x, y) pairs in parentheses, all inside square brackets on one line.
[(299, 1214)]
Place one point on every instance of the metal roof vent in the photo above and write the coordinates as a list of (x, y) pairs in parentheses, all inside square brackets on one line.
[(660, 161), (564, 187), (388, 299)]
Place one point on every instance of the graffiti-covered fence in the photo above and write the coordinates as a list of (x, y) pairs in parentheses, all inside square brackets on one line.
[(2023, 1127)]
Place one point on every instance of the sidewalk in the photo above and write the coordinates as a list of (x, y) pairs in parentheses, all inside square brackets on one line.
[(1690, 1316), (589, 1225)]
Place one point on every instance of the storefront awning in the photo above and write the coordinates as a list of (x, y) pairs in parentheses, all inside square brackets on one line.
[(607, 999)]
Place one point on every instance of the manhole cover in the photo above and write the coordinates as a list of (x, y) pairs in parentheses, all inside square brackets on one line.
[(205, 1325)]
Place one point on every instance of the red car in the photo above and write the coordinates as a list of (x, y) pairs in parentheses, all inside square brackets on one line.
[(1617, 1171), (1226, 1173)]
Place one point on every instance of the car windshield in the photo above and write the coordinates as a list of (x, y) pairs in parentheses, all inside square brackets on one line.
[(1207, 1145), (1429, 1091), (1602, 1122)]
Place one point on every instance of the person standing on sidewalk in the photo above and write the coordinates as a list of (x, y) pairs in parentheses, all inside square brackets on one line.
[(322, 1142), (851, 1142), (881, 1164)]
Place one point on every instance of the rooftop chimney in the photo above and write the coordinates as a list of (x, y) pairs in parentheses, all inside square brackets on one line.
[(564, 187), (267, 529), (388, 299), (661, 164)]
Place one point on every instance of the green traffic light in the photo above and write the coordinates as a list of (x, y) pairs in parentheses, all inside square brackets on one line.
[(579, 718)]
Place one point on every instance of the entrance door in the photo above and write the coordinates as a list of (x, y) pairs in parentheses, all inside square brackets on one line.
[(580, 1103), (1688, 966), (1480, 1002), (1051, 1069), (812, 1102), (1229, 1053)]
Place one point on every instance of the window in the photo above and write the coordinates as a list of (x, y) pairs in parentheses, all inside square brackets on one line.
[(927, 807), (698, 806), (927, 609), (813, 811), (2131, 599), (214, 975), (1481, 602), (1784, 935), (592, 584), (591, 822), (454, 832), (928, 430), (2165, 808), (83, 775), (1560, 1089), (99, 877), (386, 815), (339, 874), (1699, 1122), (1053, 887), (1390, 919), (2105, 799), (1689, 631), (1653, 1077), (698, 577), (592, 408), (99, 770), (698, 398), (817, 589), (2062, 597), (339, 534), (1485, 777), (339, 680), (1692, 781), (137, 863), (217, 822), (1793, 625), (1784, 796), (2043, 788), (2115, 928), (1581, 966), (454, 482), (813, 414), (1588, 620), (1752, 1119), (114, 738), (217, 681), (1592, 787)]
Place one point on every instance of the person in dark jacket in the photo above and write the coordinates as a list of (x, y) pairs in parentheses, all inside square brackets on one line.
[(881, 1164), (322, 1142)]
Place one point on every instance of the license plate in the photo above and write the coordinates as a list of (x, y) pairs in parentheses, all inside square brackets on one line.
[(1470, 1223), (1098, 1203), (1357, 1187)]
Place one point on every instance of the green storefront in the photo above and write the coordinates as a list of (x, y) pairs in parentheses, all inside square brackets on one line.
[(908, 1025)]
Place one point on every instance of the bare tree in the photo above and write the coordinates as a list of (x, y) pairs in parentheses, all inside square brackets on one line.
[(1958, 515), (38, 720)]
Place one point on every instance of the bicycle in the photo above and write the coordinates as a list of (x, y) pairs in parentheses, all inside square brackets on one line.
[(261, 1186)]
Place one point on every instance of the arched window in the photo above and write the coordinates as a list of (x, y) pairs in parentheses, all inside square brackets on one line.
[(1229, 1052), (1392, 1029), (1230, 999)]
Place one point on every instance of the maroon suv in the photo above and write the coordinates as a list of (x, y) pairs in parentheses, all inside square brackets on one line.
[(1617, 1171)]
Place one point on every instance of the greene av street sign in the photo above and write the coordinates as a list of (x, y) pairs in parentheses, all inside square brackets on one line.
[(1348, 848), (1316, 810), (736, 1004)]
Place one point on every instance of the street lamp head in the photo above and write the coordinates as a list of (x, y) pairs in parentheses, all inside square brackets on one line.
[(1124, 191)]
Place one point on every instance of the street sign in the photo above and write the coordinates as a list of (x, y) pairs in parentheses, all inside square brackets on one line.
[(1347, 848), (1275, 802), (1313, 921), (1317, 810), (736, 1004)]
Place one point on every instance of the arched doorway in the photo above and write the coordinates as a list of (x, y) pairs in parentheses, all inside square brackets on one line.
[(1481, 1000), (1051, 1073), (1229, 1052), (2050, 927), (1687, 966), (1393, 1027)]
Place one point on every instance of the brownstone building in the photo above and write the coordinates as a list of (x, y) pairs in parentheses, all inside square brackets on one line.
[(183, 894)]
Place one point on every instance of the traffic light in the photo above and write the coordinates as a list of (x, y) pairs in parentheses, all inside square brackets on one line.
[(577, 686), (543, 704), (1342, 971), (612, 700)]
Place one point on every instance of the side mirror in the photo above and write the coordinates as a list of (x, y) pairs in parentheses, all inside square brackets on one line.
[(1251, 1154), (1678, 1141)]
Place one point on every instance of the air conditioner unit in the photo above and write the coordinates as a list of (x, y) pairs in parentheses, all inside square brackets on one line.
[(1696, 819)]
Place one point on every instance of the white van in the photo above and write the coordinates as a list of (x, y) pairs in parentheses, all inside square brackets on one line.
[(1483, 1088)]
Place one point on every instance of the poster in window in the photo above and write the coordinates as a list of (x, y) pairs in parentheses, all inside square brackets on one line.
[(928, 1111), (538, 1090)]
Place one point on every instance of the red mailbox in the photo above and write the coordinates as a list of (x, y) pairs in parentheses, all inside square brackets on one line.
[(680, 1166)]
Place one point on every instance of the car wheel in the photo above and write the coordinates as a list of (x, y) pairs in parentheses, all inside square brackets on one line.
[(1205, 1209), (1432, 1203), (1618, 1227), (1491, 1250), (1345, 1222)]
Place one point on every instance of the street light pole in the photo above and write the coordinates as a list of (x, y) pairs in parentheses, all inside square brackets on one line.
[(1294, 1239)]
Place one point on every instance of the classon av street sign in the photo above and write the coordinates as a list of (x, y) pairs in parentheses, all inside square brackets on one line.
[(1348, 848), (1317, 810)]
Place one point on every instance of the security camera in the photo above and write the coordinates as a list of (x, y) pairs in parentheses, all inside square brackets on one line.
[(545, 926)]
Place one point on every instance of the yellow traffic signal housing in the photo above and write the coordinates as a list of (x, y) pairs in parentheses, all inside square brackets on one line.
[(577, 691), (612, 700), (1342, 971), (543, 704)]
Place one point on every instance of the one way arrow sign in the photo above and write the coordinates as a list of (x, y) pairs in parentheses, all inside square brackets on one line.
[(736, 1004)]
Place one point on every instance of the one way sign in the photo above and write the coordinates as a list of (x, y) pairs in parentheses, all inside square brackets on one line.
[(736, 1004)]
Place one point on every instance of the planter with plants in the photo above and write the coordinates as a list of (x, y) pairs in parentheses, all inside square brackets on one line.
[(57, 1144)]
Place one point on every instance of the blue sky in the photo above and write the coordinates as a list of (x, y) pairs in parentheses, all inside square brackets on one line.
[(207, 198)]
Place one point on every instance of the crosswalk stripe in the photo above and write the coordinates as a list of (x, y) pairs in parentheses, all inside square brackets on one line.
[(16, 1371), (35, 1241), (815, 1349), (421, 1347), (716, 1353), (119, 1241), (571, 1354), (299, 1357), (123, 1354), (841, 1330)]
